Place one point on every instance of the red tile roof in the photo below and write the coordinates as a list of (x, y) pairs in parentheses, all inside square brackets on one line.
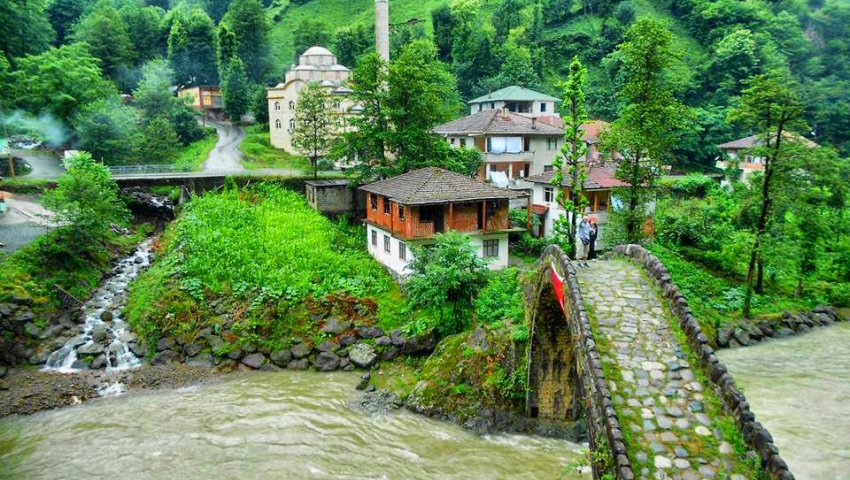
[(539, 209)]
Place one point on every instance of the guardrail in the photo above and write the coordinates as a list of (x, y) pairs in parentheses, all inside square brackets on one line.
[(143, 169)]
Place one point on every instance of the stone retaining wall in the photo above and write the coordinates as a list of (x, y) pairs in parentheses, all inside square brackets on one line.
[(790, 324), (756, 435), (604, 431)]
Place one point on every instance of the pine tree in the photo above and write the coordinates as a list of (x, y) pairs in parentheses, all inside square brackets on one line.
[(236, 90)]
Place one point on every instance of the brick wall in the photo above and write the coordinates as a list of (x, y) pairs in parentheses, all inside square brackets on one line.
[(463, 217)]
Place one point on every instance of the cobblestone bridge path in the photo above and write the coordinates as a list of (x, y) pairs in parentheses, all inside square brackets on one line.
[(673, 424)]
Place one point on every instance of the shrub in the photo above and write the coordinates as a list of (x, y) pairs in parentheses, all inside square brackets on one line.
[(501, 299)]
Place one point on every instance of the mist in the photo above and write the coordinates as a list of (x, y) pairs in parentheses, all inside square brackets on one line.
[(44, 127)]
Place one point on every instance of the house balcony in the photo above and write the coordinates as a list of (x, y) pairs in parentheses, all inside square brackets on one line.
[(506, 157)]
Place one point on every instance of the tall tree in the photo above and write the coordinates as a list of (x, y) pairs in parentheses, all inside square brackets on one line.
[(227, 47), (63, 14), (145, 27), (315, 124), (159, 141), (191, 48), (443, 23), (247, 19), (308, 33), (236, 90), (572, 162), (105, 31), (769, 105), (645, 130), (350, 43), (106, 129), (216, 8), (155, 99), (24, 29)]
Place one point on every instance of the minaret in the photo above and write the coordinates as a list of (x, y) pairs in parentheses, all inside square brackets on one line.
[(382, 29)]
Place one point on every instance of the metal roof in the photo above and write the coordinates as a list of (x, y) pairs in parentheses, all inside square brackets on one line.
[(514, 92)]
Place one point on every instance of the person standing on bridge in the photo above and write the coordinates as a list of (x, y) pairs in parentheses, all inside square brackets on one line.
[(583, 243), (594, 233)]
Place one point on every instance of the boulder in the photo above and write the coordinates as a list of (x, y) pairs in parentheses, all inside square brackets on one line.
[(281, 358), (390, 353), (80, 364), (165, 343), (364, 381), (383, 341), (31, 330), (106, 316), (397, 338), (249, 348), (335, 327), (91, 349), (138, 349), (99, 362), (363, 355), (327, 346), (369, 332), (24, 316), (235, 354), (346, 340), (299, 364), (254, 360), (165, 357), (301, 350), (345, 364), (421, 345), (204, 360), (99, 334), (192, 349), (742, 336), (6, 309), (327, 362)]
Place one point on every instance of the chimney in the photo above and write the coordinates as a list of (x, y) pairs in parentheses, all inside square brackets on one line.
[(382, 29), (533, 123), (505, 112)]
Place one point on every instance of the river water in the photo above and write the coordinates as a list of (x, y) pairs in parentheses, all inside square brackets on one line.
[(288, 425), (799, 388)]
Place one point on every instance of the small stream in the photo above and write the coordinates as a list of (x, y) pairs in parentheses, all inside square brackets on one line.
[(105, 338), (799, 388), (288, 425)]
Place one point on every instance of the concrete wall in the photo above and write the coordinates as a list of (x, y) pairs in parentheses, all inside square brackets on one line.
[(756, 435), (535, 108), (332, 199)]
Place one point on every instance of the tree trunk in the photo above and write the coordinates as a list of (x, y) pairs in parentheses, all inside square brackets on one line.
[(315, 161), (759, 275), (748, 292), (799, 292)]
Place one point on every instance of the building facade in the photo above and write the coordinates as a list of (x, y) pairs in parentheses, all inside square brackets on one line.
[(413, 207), (739, 154), (207, 99), (514, 146), (516, 99), (315, 65), (331, 197)]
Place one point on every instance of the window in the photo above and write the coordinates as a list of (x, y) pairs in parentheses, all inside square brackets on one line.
[(277, 124), (401, 212), (452, 141), (277, 106), (479, 107), (526, 144), (387, 206), (492, 105), (462, 143), (548, 194), (374, 238), (542, 107), (373, 199), (292, 124), (427, 214), (552, 143), (402, 251), (548, 168), (291, 105), (337, 104), (387, 243), (491, 248), (492, 206)]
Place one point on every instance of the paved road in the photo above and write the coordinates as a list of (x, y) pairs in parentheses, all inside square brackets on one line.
[(24, 221), (45, 165), (226, 156)]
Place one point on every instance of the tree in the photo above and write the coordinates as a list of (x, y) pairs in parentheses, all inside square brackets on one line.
[(645, 130), (159, 141), (145, 27), (227, 47), (770, 106), (216, 8), (24, 29), (63, 14), (58, 81), (308, 33), (315, 125), (85, 200), (446, 277), (735, 60), (191, 48), (350, 43), (247, 19), (444, 23), (236, 91), (105, 31), (105, 129), (155, 99), (574, 152)]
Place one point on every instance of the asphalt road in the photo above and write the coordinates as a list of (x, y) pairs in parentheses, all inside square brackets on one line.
[(45, 165), (24, 221), (226, 155)]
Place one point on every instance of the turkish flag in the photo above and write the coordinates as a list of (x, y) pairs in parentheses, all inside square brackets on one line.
[(558, 284)]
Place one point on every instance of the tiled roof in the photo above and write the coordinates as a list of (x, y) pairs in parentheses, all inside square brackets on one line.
[(515, 93), (539, 209), (754, 140), (598, 178), (591, 129), (436, 185), (492, 122)]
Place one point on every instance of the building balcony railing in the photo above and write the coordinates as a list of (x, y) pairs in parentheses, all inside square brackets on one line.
[(506, 157)]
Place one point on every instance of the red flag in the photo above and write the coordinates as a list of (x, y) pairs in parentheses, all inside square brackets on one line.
[(558, 284)]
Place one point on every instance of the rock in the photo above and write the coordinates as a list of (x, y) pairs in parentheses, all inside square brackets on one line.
[(383, 341), (99, 362), (334, 326), (204, 360), (724, 334), (326, 346), (235, 354), (364, 381), (299, 364), (31, 330), (696, 406), (783, 332), (99, 334), (249, 348), (165, 357), (281, 358), (24, 301), (214, 341), (6, 309), (138, 349), (390, 353), (346, 340), (742, 336), (91, 349), (421, 345), (80, 364), (24, 316), (165, 343), (369, 332), (301, 350), (397, 338), (192, 349), (327, 362), (478, 340), (702, 431), (362, 355), (662, 462), (254, 360), (106, 316)]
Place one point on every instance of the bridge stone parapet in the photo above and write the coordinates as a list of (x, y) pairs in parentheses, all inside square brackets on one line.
[(593, 396), (755, 434)]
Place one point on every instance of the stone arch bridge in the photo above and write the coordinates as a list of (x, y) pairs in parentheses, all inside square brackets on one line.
[(616, 346)]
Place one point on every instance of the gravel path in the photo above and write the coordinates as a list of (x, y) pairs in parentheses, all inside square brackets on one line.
[(658, 399)]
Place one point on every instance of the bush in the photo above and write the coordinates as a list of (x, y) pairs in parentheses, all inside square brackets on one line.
[(501, 300)]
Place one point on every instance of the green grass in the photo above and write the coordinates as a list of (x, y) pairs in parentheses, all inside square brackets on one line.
[(194, 155), (23, 185), (259, 152)]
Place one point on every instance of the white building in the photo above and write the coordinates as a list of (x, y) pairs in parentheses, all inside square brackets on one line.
[(739, 154), (316, 65), (517, 99)]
